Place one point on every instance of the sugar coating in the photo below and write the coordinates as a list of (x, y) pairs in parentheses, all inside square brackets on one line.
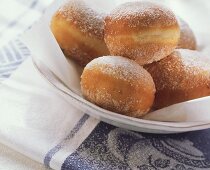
[(105, 100), (143, 13), (120, 68), (143, 31), (126, 71), (83, 16), (183, 69), (144, 54)]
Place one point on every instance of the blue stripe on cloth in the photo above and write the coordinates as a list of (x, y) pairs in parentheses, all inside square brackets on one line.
[(17, 54), (8, 54), (11, 56), (7, 71), (54, 150), (25, 51), (22, 48), (33, 4), (5, 76), (2, 58), (10, 65), (12, 23)]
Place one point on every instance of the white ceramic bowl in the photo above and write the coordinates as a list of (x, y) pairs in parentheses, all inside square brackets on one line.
[(65, 77)]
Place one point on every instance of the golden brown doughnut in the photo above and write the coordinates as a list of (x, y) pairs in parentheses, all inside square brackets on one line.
[(79, 31), (183, 75), (118, 84), (142, 31), (187, 39)]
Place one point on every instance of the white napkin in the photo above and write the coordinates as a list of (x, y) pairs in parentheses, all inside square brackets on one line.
[(34, 118)]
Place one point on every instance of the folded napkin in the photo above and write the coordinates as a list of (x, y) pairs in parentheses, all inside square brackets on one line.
[(38, 122)]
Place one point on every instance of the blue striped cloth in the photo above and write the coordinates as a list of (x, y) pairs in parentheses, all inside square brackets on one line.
[(18, 17), (11, 56), (109, 147)]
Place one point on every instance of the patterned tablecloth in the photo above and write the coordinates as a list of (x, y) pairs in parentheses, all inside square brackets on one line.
[(106, 147)]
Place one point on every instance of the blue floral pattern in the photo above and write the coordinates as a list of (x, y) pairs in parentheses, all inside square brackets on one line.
[(108, 147)]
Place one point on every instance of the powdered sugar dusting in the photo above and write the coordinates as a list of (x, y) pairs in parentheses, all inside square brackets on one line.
[(143, 53), (83, 16), (144, 14), (128, 79), (119, 67), (106, 100), (183, 69), (143, 31)]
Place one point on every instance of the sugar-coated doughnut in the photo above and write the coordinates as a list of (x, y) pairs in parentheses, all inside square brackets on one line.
[(183, 75), (118, 84), (79, 30), (142, 31), (187, 38)]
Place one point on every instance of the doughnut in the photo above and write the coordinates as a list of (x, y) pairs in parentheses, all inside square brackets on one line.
[(187, 39), (118, 84), (184, 75), (141, 31), (79, 30)]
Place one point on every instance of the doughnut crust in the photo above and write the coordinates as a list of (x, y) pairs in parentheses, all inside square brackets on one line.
[(118, 84), (79, 31), (187, 38), (142, 31), (184, 75)]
